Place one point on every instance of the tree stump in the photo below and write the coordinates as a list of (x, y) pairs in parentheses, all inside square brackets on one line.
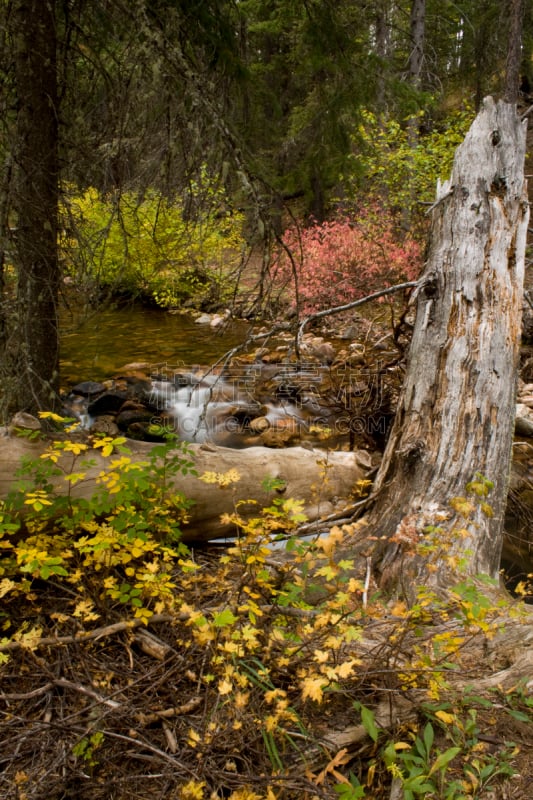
[(456, 412)]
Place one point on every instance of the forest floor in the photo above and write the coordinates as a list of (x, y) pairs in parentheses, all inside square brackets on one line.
[(241, 692)]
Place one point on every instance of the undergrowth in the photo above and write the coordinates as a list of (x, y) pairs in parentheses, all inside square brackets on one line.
[(151, 248), (135, 666)]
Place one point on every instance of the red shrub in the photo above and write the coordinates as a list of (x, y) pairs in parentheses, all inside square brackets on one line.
[(345, 259)]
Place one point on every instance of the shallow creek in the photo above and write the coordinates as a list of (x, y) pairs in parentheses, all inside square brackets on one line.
[(95, 347), (270, 404)]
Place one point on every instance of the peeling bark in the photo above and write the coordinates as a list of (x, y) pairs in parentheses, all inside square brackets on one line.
[(456, 413)]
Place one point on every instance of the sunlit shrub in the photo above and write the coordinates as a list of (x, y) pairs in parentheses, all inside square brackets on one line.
[(400, 169), (148, 247)]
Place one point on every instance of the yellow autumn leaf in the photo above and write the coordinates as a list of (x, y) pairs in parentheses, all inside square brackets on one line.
[(51, 415), (59, 617), (445, 717), (399, 609), (51, 455), (222, 478), (6, 585), (85, 610), (244, 794), (29, 639), (193, 738), (144, 614), (346, 669), (328, 571), (273, 695), (203, 635), (321, 656), (194, 790), (74, 447), (463, 506), (224, 686), (329, 543), (241, 699), (312, 689)]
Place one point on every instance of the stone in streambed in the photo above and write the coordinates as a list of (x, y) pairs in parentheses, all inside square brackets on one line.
[(88, 388), (105, 424), (107, 403), (23, 421), (259, 425), (126, 418)]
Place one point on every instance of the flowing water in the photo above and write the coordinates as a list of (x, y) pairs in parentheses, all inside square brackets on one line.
[(272, 404), (203, 406), (95, 347)]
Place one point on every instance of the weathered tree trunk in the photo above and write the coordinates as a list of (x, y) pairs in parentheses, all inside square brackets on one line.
[(456, 413)]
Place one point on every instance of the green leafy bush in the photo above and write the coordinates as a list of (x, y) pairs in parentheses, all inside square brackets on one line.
[(147, 247), (401, 171)]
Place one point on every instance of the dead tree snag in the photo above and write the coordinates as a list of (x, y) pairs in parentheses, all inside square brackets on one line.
[(456, 413)]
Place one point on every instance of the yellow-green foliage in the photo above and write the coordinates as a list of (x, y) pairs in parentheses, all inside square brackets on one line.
[(120, 545), (145, 244), (401, 170)]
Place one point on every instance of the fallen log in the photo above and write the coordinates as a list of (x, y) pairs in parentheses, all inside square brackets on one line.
[(324, 481)]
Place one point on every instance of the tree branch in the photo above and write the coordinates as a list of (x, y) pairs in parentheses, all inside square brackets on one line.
[(348, 306)]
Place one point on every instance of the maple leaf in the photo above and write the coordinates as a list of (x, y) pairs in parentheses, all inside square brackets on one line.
[(85, 610), (194, 790), (224, 686), (241, 699), (346, 669), (312, 688), (321, 656)]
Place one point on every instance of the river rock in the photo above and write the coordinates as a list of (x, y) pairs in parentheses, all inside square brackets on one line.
[(259, 425), (217, 320), (281, 433), (270, 356), (107, 403), (316, 347), (126, 418), (523, 420), (88, 388), (105, 424), (22, 421), (135, 367)]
